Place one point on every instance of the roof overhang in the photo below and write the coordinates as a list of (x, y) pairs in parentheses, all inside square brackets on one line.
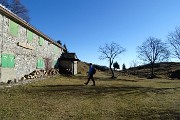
[(25, 24)]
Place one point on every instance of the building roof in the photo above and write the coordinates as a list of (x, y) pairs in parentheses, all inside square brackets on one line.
[(69, 56), (4, 11)]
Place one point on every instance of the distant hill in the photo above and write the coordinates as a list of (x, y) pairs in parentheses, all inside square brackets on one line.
[(83, 68), (163, 69)]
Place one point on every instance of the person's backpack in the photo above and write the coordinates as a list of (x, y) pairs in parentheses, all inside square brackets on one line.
[(94, 71)]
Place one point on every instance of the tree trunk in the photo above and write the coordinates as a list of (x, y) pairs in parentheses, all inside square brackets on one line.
[(152, 70), (112, 72)]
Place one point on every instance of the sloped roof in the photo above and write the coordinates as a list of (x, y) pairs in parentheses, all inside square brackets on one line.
[(15, 18), (69, 56)]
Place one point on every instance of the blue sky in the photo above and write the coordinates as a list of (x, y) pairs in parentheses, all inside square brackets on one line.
[(84, 25)]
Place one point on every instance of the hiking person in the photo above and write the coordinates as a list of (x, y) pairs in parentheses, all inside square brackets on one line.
[(91, 72)]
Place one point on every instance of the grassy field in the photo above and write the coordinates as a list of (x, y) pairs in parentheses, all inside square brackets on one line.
[(67, 98)]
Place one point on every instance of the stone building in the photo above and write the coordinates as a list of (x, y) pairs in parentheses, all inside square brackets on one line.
[(23, 48), (68, 62)]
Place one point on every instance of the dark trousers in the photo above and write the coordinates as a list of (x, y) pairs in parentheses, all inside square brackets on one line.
[(92, 78)]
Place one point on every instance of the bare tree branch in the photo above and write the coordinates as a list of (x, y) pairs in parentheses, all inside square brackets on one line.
[(4, 3), (174, 40), (110, 52), (152, 51), (20, 10)]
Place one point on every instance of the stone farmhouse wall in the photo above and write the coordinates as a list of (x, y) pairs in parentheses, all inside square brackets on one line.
[(23, 48)]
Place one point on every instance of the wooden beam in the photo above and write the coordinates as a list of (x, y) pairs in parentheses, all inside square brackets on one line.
[(24, 45)]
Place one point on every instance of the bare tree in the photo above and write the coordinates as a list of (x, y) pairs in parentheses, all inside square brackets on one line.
[(48, 63), (153, 50), (20, 10), (133, 65), (174, 39), (110, 52), (4, 3)]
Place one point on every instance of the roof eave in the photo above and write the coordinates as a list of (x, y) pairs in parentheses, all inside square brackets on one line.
[(27, 25)]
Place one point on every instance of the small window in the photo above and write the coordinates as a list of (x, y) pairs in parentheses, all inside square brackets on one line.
[(7, 61), (41, 41), (40, 63), (29, 35), (13, 28)]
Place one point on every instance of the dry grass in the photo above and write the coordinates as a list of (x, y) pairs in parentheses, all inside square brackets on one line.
[(68, 98), (83, 68)]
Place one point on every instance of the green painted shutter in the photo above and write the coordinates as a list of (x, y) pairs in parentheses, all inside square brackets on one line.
[(55, 49), (41, 41), (7, 61), (40, 63), (4, 60), (29, 35), (43, 64), (11, 61), (13, 28)]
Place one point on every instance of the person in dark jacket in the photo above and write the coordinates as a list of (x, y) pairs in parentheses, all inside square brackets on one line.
[(90, 74)]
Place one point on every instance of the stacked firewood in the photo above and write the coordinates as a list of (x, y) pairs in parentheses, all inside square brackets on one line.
[(40, 73), (52, 72)]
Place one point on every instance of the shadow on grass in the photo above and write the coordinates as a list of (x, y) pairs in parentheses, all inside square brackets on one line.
[(106, 78), (91, 91), (167, 82), (162, 115), (96, 78)]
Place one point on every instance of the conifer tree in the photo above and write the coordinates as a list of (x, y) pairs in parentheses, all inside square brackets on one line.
[(66, 50), (124, 67), (116, 65)]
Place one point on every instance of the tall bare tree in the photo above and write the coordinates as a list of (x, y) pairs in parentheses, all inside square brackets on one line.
[(20, 10), (17, 8), (110, 52), (4, 3), (153, 50), (174, 39)]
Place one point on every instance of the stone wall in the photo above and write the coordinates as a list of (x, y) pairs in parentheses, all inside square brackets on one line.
[(26, 53), (1, 21)]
